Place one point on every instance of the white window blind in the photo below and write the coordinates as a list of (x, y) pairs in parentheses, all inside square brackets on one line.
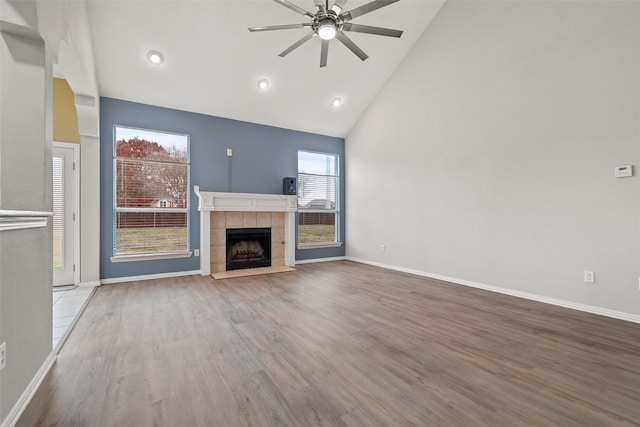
[(318, 210), (58, 212), (151, 192)]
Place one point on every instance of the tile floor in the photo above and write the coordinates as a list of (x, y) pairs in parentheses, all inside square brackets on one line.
[(68, 304)]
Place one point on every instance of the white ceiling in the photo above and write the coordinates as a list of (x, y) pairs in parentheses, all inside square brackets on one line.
[(213, 63)]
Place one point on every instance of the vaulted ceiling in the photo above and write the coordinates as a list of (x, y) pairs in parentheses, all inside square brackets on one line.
[(213, 63)]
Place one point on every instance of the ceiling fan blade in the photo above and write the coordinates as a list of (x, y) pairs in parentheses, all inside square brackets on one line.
[(338, 5), (357, 28), (295, 8), (298, 44), (324, 53), (369, 7), (280, 27), (351, 45)]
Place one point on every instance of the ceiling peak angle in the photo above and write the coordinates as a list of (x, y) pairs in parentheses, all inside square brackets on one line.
[(331, 22)]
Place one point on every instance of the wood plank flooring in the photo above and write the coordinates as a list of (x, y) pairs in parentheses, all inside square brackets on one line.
[(336, 344)]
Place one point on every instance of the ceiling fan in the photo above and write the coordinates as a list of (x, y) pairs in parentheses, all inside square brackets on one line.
[(329, 23)]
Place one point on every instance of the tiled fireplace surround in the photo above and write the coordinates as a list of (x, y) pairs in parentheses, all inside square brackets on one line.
[(220, 211), (220, 221)]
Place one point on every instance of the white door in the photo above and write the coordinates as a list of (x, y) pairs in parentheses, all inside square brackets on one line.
[(63, 215)]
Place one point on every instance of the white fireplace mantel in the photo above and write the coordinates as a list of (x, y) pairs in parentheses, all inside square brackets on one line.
[(244, 202)]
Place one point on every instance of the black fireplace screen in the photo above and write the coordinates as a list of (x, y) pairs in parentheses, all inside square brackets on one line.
[(248, 248)]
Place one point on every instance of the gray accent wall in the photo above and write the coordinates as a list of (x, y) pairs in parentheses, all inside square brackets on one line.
[(489, 155), (25, 185), (262, 156)]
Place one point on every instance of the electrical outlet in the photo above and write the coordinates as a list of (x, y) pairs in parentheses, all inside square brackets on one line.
[(589, 277), (383, 248), (3, 355), (229, 152), (196, 252)]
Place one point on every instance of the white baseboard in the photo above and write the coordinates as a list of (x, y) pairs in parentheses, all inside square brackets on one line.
[(26, 396), (91, 284), (311, 261), (553, 301), (150, 276)]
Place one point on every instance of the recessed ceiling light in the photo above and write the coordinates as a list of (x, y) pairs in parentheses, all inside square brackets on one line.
[(155, 57), (263, 84), (336, 102)]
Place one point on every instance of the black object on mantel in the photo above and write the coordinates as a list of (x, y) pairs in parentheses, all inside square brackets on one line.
[(289, 186)]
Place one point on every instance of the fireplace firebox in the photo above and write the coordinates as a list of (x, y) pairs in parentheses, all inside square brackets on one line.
[(248, 248)]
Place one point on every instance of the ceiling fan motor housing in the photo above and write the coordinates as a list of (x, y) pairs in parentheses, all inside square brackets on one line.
[(324, 19)]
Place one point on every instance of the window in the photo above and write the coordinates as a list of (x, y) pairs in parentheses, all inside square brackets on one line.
[(318, 208), (150, 192)]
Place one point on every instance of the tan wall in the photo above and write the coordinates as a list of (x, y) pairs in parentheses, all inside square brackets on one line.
[(65, 117)]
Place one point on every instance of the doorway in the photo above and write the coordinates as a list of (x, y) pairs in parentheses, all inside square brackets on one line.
[(65, 205)]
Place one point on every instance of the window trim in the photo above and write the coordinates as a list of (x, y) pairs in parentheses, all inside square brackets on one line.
[(337, 209), (148, 256), (151, 257), (303, 246)]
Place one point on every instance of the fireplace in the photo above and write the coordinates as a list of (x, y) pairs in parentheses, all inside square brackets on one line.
[(248, 248), (222, 211)]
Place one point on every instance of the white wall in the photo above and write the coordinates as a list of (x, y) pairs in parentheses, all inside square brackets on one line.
[(489, 154)]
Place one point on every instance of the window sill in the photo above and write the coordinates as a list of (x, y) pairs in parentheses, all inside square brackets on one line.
[(151, 257), (319, 245)]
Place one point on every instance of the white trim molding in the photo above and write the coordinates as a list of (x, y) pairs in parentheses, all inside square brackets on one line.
[(28, 393), (519, 294), (151, 257), (245, 202), (303, 246), (75, 147), (149, 277), (20, 220)]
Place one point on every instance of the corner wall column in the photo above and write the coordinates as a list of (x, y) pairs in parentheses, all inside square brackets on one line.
[(89, 211)]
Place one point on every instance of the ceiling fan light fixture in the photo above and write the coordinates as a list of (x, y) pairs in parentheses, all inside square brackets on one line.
[(332, 22), (155, 57), (327, 31), (263, 84)]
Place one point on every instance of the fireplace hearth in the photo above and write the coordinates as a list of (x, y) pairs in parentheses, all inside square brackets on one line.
[(248, 248)]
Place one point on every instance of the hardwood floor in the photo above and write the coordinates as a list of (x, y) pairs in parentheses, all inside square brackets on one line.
[(336, 344)]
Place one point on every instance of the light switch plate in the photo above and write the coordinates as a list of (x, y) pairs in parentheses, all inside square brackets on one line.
[(623, 171)]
